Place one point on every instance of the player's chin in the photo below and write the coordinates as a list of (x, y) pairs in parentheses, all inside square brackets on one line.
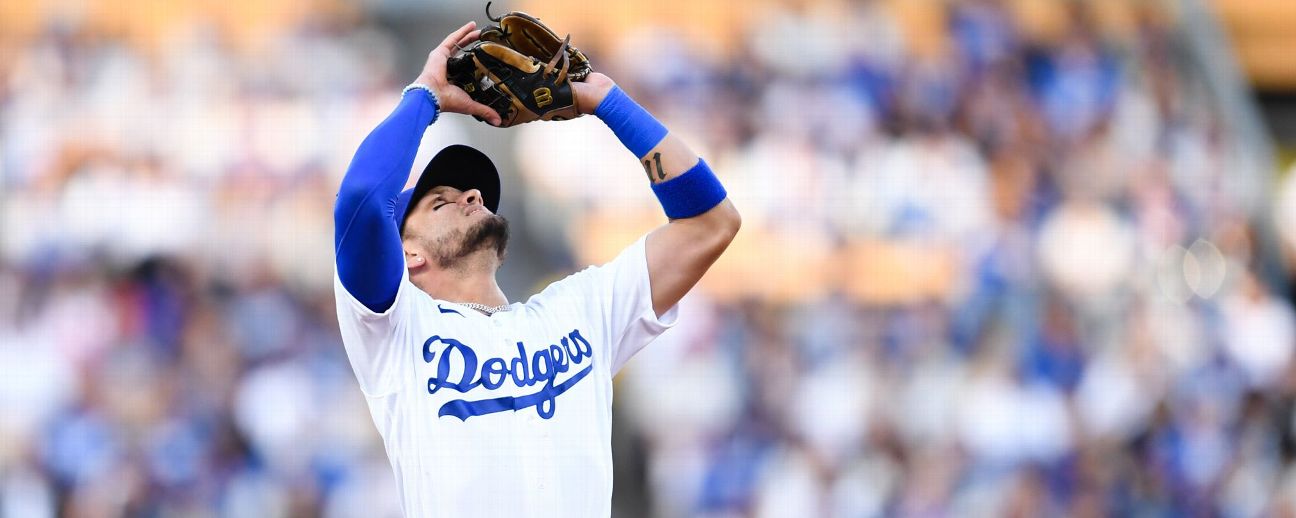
[(491, 230), (485, 218)]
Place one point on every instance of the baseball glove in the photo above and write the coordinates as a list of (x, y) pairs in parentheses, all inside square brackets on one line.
[(521, 69)]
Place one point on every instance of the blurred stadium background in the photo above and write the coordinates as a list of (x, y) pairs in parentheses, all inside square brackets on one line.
[(1000, 257)]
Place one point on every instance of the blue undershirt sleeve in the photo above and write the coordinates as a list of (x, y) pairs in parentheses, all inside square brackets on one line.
[(366, 235)]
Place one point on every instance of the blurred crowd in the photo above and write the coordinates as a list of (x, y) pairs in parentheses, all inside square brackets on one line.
[(1001, 274), (167, 333)]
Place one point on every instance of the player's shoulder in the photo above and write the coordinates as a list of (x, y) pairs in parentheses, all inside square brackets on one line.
[(575, 281), (410, 304), (596, 276), (577, 289)]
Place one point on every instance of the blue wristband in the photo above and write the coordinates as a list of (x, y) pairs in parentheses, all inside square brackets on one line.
[(690, 194), (637, 129)]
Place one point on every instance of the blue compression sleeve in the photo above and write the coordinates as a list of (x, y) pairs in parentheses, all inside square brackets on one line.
[(366, 236)]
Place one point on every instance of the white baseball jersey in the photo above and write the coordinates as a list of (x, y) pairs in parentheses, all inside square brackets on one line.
[(503, 415)]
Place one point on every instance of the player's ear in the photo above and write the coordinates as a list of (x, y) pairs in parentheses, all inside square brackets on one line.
[(414, 259)]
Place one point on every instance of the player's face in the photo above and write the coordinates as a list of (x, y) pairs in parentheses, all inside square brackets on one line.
[(451, 225)]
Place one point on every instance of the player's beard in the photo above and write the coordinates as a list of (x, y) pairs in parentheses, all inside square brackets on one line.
[(491, 233)]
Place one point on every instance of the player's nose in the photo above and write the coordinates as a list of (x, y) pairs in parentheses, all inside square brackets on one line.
[(471, 197)]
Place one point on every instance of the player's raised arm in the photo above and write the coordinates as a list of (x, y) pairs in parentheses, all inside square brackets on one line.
[(702, 219), (366, 235)]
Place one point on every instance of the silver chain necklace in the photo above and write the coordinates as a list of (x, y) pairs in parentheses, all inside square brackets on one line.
[(488, 310)]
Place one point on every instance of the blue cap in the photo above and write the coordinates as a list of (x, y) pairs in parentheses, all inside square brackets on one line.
[(457, 166)]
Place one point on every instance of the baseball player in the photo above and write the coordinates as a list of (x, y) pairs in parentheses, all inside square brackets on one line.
[(486, 407)]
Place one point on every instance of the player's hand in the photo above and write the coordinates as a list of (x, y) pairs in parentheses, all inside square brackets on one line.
[(590, 92), (452, 98)]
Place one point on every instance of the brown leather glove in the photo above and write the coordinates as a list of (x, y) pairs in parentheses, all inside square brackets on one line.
[(521, 69)]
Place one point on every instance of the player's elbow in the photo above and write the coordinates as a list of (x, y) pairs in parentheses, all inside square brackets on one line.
[(723, 224), (731, 221), (353, 197), (355, 209)]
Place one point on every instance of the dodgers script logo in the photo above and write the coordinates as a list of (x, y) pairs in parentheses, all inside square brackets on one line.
[(543, 366)]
